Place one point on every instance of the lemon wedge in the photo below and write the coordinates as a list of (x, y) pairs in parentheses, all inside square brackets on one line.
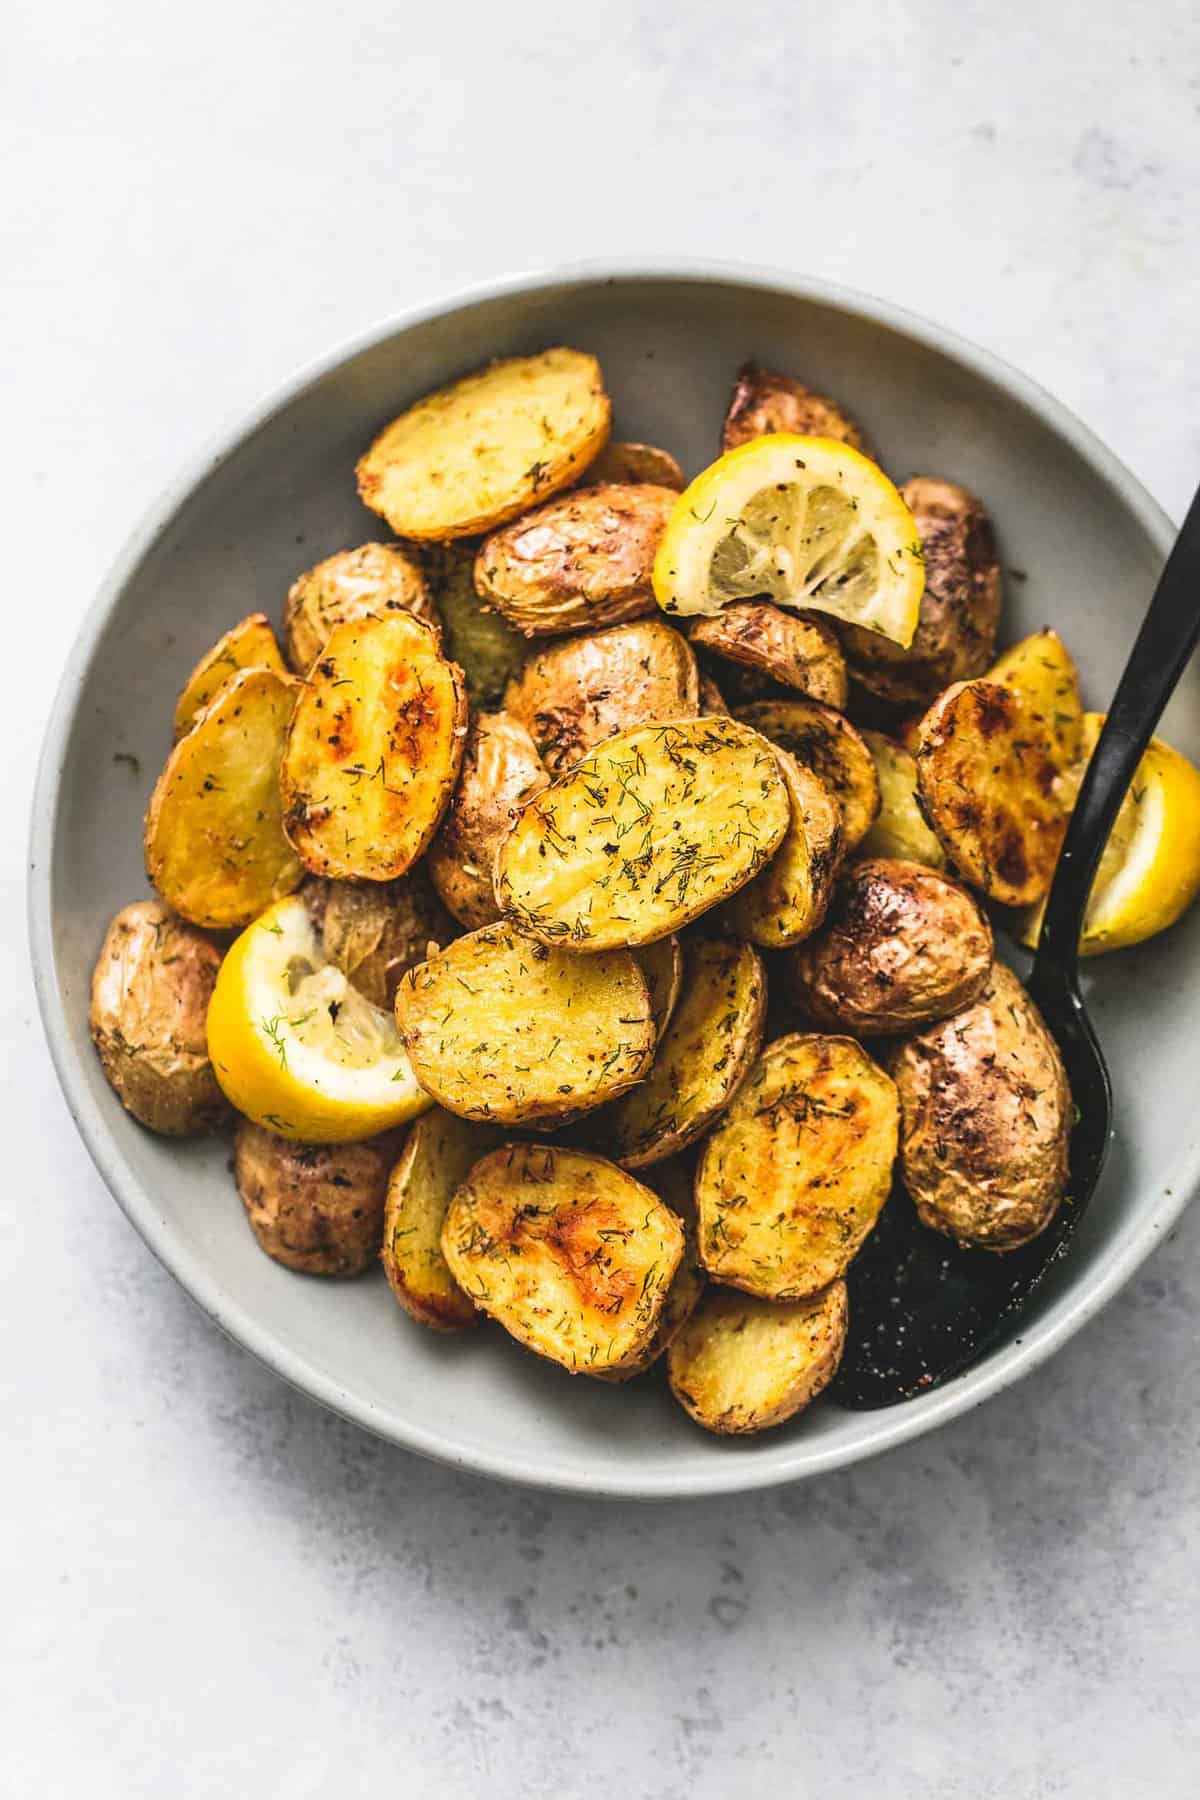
[(1150, 870), (296, 1047), (804, 521)]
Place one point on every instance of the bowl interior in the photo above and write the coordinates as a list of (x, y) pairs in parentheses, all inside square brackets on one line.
[(1082, 546)]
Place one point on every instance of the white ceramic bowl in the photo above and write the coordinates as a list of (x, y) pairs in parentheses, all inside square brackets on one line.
[(1082, 542)]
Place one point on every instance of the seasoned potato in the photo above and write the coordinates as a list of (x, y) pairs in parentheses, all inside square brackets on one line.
[(794, 1177), (317, 1208), (763, 402), (373, 749), (960, 607), (710, 1043), (438, 1155), (374, 930), (484, 645), (500, 769), (500, 1027), (647, 832), (742, 1365), (986, 1115), (569, 1253), (828, 744), (151, 986), (902, 945), (634, 463), (900, 828), (788, 899), (215, 846), (250, 644), (578, 562), (1042, 671), (477, 453), (990, 786), (355, 584), (795, 651), (672, 1182), (661, 964), (712, 700), (573, 694)]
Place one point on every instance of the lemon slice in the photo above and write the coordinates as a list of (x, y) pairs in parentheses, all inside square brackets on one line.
[(296, 1047), (806, 522), (1150, 870)]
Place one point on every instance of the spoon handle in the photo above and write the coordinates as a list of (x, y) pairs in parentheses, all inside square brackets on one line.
[(1167, 638)]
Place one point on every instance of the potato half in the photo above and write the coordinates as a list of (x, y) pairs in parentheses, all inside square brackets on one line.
[(356, 584), (900, 828), (438, 1155), (215, 845), (740, 1365), (373, 749), (569, 1253), (797, 652), (573, 694), (500, 770), (317, 1208), (828, 744), (764, 402), (474, 454), (250, 644), (795, 1175), (702, 1058), (500, 1027), (672, 1182), (374, 930), (474, 635), (1042, 671), (651, 829), (636, 462), (788, 899)]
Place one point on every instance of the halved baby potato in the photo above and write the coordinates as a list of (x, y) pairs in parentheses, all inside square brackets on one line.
[(701, 1060), (474, 454), (374, 930), (373, 749), (474, 635), (500, 1027), (250, 644), (798, 652), (651, 829), (828, 744), (573, 694), (788, 899), (215, 844), (740, 1364), (1042, 671), (438, 1154), (672, 1182), (764, 402), (794, 1177), (569, 1253), (636, 462), (900, 828), (356, 584), (500, 770)]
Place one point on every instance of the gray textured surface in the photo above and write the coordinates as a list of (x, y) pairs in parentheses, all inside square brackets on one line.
[(212, 1588)]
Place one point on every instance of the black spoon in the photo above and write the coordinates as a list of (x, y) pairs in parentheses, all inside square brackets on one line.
[(923, 1309)]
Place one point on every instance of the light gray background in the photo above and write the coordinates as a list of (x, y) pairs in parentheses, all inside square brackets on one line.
[(212, 1588)]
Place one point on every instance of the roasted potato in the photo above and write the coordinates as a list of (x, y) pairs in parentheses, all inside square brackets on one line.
[(374, 930), (764, 402), (576, 692), (215, 846), (702, 1057), (500, 770), (788, 899), (633, 463), (796, 651), (151, 986), (317, 1208), (373, 749), (355, 584), (712, 700), (651, 829), (829, 745), (569, 1253), (960, 608), (250, 644), (672, 1182), (990, 785), (795, 1175), (900, 828), (661, 964), (500, 1027), (1042, 671), (578, 562), (740, 1364), (474, 635), (986, 1114), (475, 454), (438, 1155), (902, 945)]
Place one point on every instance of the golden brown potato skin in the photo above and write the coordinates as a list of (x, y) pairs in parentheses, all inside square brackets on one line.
[(354, 584), (955, 637), (985, 1119), (764, 401), (712, 700), (797, 652), (500, 769), (635, 462), (316, 1208), (150, 991), (375, 930), (580, 561), (901, 945)]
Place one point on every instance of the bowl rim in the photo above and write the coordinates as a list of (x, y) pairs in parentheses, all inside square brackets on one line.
[(878, 1431)]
